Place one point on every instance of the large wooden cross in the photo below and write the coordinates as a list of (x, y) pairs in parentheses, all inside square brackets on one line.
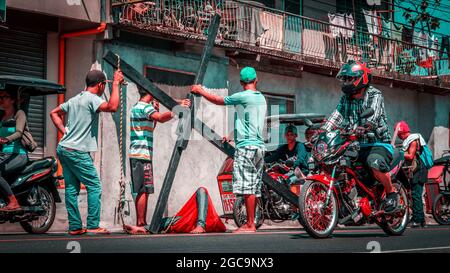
[(188, 120)]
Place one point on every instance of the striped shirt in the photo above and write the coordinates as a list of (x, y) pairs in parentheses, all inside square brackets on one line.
[(141, 131), (348, 110)]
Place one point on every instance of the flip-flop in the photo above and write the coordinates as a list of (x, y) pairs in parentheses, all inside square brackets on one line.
[(97, 231)]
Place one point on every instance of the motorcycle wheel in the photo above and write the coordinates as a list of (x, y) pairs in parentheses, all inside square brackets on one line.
[(318, 222), (43, 223), (441, 209), (240, 213), (397, 225)]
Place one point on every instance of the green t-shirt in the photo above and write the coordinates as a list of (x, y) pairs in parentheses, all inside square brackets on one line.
[(14, 147), (249, 116), (141, 131), (82, 122)]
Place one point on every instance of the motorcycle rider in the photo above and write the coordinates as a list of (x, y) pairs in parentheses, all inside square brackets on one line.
[(13, 155), (358, 96)]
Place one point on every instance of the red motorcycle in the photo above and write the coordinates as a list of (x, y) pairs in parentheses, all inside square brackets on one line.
[(344, 191)]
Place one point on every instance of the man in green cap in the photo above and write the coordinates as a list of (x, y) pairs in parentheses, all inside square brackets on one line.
[(250, 111)]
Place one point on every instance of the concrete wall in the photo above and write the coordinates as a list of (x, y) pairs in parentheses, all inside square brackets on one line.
[(201, 161), (61, 8)]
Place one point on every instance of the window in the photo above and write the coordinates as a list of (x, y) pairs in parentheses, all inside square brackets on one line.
[(278, 104), (169, 76), (267, 3), (292, 6), (319, 9)]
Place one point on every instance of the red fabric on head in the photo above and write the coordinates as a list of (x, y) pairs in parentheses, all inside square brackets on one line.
[(403, 127), (188, 220)]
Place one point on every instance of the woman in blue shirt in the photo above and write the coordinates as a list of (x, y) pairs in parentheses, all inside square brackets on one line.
[(13, 156)]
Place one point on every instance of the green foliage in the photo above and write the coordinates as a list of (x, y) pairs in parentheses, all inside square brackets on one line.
[(420, 13)]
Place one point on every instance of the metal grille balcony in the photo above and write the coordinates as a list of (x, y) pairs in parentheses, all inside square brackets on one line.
[(253, 27)]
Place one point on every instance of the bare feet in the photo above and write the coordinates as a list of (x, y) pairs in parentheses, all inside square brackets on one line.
[(245, 229), (198, 230), (135, 230)]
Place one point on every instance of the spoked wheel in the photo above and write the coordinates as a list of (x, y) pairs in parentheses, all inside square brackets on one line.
[(441, 209), (42, 223), (240, 213), (318, 218), (395, 224)]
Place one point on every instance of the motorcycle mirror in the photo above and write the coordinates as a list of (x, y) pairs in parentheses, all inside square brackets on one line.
[(367, 113), (289, 163)]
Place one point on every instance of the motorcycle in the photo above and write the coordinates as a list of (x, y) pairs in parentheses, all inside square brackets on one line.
[(271, 205), (35, 187), (440, 200), (344, 191)]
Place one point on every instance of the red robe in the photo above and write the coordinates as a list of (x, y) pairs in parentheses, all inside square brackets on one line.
[(188, 220)]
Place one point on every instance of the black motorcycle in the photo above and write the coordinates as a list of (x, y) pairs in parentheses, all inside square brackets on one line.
[(35, 187), (271, 205)]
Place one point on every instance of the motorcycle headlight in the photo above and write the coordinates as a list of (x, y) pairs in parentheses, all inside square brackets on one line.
[(320, 151)]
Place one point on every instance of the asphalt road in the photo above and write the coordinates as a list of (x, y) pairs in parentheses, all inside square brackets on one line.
[(347, 240)]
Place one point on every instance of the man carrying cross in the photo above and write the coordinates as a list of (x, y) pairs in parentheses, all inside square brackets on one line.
[(250, 111), (79, 140)]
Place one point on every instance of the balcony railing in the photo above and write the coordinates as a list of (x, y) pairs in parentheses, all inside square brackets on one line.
[(254, 27)]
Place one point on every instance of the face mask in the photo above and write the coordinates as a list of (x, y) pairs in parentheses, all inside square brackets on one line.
[(348, 89)]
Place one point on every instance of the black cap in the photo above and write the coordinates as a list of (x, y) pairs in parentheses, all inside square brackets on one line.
[(290, 129), (95, 76)]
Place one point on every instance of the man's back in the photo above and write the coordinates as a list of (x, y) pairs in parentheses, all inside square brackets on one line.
[(250, 112), (82, 122)]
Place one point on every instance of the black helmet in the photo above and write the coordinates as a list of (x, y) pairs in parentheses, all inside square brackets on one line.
[(354, 76)]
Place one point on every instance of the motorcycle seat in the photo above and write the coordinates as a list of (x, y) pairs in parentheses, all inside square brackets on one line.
[(398, 156), (38, 164), (442, 161)]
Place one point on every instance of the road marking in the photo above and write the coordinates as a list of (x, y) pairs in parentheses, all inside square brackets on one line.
[(415, 249)]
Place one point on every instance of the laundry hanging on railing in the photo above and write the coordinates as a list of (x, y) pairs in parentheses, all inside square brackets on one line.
[(433, 44), (342, 24), (273, 30), (420, 38), (373, 22), (396, 31), (407, 35), (386, 30), (249, 25)]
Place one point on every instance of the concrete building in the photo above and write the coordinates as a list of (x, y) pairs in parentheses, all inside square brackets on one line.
[(296, 57)]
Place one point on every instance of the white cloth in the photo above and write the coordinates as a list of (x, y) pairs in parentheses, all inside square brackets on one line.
[(411, 138), (421, 38), (340, 22), (372, 21), (433, 44)]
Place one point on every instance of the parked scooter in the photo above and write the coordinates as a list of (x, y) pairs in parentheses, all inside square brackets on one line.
[(35, 187)]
